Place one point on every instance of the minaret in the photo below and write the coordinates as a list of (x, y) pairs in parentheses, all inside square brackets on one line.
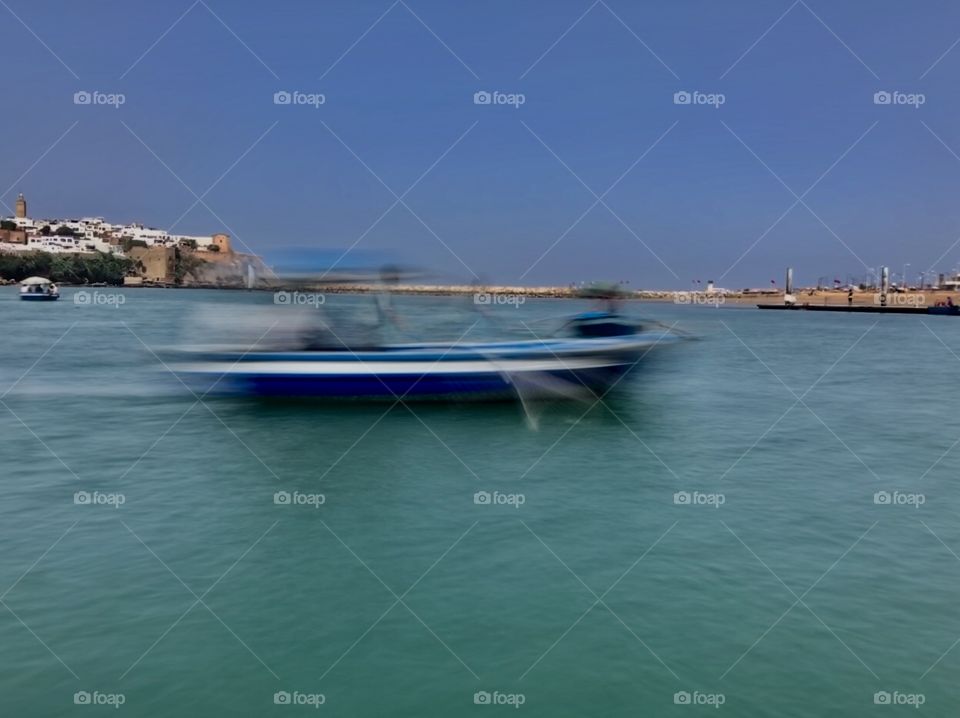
[(21, 207)]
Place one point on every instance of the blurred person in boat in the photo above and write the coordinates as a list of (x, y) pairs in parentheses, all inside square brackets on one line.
[(387, 315), (338, 328)]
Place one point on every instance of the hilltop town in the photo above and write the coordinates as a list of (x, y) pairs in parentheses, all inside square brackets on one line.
[(145, 255)]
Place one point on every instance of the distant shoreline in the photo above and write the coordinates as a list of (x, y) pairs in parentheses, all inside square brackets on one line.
[(925, 297)]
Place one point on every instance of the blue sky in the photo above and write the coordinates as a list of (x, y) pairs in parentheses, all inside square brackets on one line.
[(506, 185)]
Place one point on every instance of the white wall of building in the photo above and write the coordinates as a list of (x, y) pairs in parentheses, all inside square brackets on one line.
[(94, 234)]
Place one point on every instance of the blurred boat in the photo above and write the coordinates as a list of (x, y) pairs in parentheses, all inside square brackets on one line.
[(599, 348), (39, 289)]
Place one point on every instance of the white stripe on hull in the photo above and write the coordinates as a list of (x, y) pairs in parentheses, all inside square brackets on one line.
[(372, 368)]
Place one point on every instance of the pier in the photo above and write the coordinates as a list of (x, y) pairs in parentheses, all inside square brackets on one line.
[(902, 300), (865, 309)]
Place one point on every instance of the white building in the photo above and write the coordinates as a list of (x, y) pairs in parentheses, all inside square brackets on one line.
[(57, 243), (93, 234)]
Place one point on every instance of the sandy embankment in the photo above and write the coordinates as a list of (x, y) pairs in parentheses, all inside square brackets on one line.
[(916, 298)]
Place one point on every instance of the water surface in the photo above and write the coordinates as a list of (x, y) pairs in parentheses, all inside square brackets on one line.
[(798, 595)]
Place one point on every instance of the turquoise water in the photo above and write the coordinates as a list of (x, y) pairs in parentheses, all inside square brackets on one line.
[(787, 592)]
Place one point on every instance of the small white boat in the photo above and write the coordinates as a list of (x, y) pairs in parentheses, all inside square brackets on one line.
[(39, 289)]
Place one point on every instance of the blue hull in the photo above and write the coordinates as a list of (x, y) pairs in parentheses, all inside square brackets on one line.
[(418, 387), (39, 297), (488, 371)]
